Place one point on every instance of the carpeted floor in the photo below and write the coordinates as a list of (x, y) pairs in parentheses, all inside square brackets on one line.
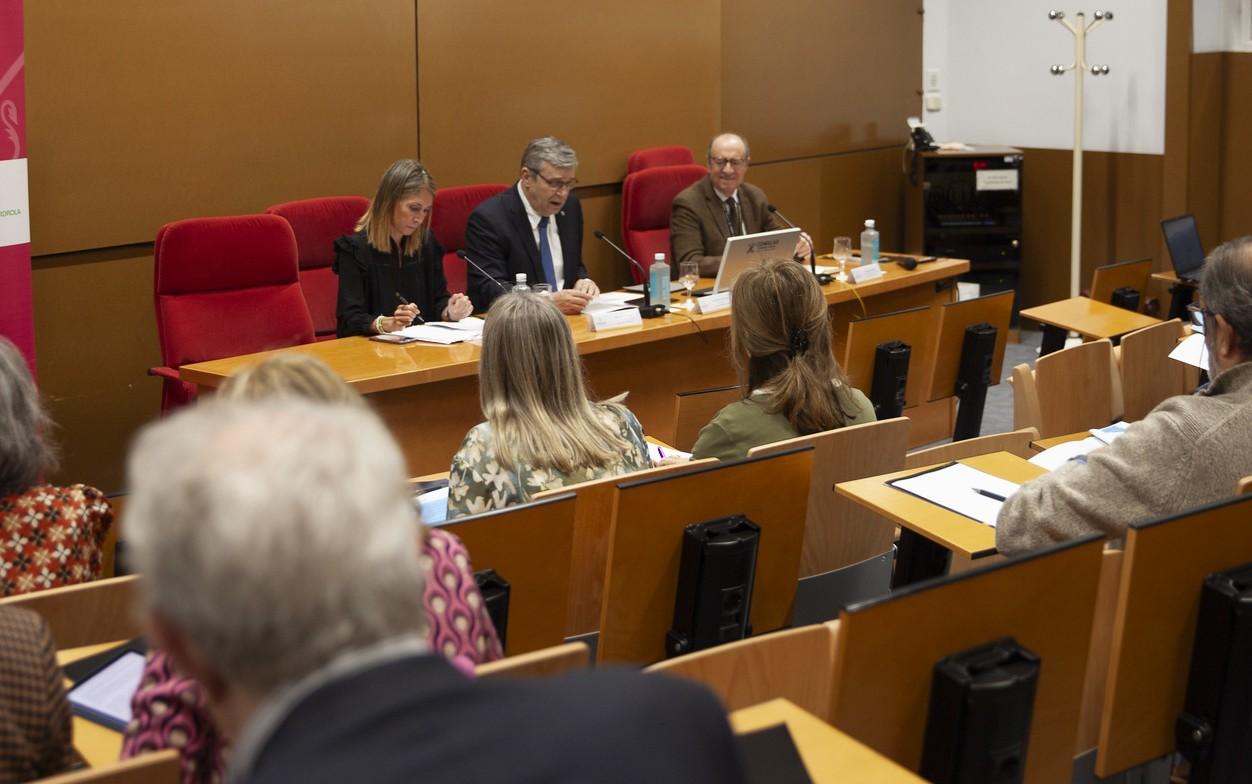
[(997, 415)]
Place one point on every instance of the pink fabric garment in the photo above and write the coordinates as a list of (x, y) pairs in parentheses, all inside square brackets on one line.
[(169, 711)]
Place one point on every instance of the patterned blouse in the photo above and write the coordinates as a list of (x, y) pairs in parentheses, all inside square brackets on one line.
[(168, 710), (52, 536), (478, 483)]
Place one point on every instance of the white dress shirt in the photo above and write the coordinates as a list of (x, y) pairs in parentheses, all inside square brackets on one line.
[(554, 241)]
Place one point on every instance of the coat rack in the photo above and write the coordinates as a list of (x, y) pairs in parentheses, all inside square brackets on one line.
[(1079, 29)]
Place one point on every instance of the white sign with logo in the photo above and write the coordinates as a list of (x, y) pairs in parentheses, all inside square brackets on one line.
[(14, 203)]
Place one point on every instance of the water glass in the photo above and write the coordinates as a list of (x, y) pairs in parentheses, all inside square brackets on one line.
[(689, 276), (842, 252)]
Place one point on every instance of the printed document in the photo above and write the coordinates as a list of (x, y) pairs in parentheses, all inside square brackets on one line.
[(961, 489)]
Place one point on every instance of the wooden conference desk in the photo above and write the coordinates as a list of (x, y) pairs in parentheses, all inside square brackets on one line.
[(95, 743), (1089, 318), (428, 394)]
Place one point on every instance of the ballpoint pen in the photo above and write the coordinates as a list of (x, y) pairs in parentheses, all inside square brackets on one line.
[(989, 494), (418, 318)]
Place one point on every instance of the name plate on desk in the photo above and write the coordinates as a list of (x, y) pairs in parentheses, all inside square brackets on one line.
[(866, 272), (613, 319), (712, 303)]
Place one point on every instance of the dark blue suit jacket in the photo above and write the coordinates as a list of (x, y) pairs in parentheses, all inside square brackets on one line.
[(417, 719), (499, 239)]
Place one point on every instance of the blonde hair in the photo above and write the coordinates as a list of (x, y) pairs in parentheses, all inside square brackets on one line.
[(780, 341), (530, 386), (290, 375), (403, 178)]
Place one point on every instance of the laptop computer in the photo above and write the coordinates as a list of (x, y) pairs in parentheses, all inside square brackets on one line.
[(748, 249), (1185, 251)]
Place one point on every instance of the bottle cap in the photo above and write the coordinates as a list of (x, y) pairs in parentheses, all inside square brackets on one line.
[(869, 223), (659, 257)]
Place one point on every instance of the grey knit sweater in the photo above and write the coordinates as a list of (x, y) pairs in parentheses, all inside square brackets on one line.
[(1190, 451)]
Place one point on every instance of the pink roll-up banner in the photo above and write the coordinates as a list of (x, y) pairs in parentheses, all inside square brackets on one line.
[(16, 313)]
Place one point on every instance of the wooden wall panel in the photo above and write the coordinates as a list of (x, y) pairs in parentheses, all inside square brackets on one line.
[(1236, 207), (1204, 143), (606, 77), (142, 113), (96, 335), (806, 77)]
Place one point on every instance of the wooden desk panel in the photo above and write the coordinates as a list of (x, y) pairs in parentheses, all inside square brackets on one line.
[(960, 534), (1089, 318), (95, 743), (428, 394)]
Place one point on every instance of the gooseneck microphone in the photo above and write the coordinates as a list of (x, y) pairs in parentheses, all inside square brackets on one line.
[(646, 310), (460, 254), (822, 277)]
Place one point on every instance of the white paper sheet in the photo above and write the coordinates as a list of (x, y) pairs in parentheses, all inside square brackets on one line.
[(434, 506), (444, 332), (659, 453), (1192, 351), (610, 301), (955, 488), (1109, 434), (1057, 456), (109, 690)]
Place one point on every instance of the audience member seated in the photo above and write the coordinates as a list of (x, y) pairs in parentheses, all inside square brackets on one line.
[(391, 270), (534, 228), (705, 214), (169, 709), (52, 535), (790, 382), (1189, 451), (541, 431), (35, 731), (276, 543)]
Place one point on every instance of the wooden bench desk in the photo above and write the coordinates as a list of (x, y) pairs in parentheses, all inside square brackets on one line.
[(95, 743), (1093, 320), (428, 394)]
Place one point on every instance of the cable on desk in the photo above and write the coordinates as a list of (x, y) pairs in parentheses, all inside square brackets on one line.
[(703, 338)]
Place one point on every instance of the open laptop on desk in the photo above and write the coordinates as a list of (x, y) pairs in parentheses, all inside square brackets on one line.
[(1185, 251), (743, 251)]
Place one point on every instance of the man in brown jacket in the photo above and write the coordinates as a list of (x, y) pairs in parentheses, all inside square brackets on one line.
[(719, 206), (1189, 451)]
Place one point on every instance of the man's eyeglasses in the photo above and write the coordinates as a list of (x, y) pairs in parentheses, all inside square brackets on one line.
[(556, 185), (1197, 314), (735, 163)]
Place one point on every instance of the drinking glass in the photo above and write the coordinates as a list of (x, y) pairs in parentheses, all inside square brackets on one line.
[(544, 289), (842, 252), (689, 276)]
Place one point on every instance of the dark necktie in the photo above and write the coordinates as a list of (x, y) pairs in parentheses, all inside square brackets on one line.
[(732, 217), (545, 253)]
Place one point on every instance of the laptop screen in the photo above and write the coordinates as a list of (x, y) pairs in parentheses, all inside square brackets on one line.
[(1185, 250), (747, 249)]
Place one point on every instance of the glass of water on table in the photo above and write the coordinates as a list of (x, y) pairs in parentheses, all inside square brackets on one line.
[(689, 276), (842, 252)]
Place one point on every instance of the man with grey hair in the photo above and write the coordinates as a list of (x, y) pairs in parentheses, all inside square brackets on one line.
[(534, 228), (279, 549), (1189, 451), (713, 209)]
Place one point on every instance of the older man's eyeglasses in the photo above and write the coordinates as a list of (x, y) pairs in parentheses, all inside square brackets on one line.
[(556, 185), (1197, 314), (722, 163)]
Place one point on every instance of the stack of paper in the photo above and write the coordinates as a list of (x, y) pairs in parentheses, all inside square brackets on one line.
[(445, 332), (961, 489), (1057, 456), (613, 300), (1192, 351), (1109, 434)]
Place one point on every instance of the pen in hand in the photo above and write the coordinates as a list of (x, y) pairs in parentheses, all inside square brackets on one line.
[(416, 319), (989, 494)]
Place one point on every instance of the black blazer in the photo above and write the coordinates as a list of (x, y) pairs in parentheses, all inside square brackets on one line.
[(499, 239), (370, 279), (418, 719)]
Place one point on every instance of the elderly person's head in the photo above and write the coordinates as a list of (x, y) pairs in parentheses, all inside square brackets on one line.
[(25, 453), (728, 158), (290, 374), (273, 537), (1226, 291), (547, 176)]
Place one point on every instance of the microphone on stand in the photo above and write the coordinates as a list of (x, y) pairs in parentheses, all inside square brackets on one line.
[(460, 254), (646, 310), (822, 277)]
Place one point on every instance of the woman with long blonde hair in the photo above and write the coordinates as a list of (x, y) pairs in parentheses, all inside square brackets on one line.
[(790, 382), (541, 431)]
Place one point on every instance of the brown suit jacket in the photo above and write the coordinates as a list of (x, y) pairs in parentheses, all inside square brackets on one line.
[(697, 223), (35, 734)]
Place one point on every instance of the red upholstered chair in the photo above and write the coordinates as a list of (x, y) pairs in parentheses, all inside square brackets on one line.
[(646, 199), (224, 287), (658, 156), (317, 223), (448, 217)]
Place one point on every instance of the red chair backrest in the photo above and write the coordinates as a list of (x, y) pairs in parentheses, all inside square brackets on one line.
[(224, 287), (646, 199), (658, 156), (317, 223), (448, 217)]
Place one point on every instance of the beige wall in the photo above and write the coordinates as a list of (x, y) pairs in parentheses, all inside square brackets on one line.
[(141, 114)]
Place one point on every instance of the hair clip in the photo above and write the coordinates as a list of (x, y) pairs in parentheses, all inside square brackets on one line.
[(799, 342)]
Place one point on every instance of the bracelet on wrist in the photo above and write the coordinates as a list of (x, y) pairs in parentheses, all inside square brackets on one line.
[(378, 326)]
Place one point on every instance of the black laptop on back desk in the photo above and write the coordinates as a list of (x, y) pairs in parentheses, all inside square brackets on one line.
[(1185, 251)]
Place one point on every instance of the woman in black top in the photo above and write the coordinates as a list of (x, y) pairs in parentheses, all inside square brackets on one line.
[(391, 270)]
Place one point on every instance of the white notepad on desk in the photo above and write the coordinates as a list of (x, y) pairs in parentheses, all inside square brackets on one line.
[(444, 332), (955, 487)]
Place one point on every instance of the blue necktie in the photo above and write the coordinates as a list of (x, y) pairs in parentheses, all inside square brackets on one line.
[(545, 253)]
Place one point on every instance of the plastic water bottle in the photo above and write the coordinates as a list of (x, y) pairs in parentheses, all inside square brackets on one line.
[(658, 281), (519, 282), (869, 243)]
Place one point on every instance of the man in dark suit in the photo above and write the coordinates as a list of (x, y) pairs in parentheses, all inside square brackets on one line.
[(281, 572), (535, 228), (707, 213)]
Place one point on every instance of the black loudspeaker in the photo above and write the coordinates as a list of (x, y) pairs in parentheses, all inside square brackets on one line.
[(715, 580), (1214, 731), (978, 351), (891, 377), (495, 590), (978, 725), (1126, 297)]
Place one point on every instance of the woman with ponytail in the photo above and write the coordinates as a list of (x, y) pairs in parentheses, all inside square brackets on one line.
[(790, 382)]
